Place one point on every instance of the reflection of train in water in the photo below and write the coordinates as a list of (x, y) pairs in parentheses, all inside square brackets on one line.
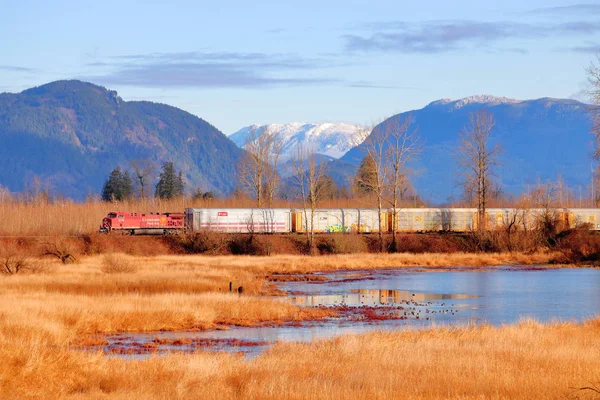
[(330, 220)]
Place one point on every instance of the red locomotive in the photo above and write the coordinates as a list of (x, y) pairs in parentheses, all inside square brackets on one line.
[(143, 224)]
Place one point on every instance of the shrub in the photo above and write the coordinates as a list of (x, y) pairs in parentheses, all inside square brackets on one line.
[(117, 264), (197, 242), (14, 260), (430, 243), (13, 264), (61, 249), (578, 245), (342, 243), (248, 244)]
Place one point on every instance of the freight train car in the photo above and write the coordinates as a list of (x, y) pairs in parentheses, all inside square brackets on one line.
[(330, 220), (239, 220), (530, 218), (432, 219), (142, 224)]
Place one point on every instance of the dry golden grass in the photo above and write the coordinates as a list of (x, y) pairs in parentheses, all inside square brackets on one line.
[(43, 316), (68, 217), (526, 361), (117, 264), (197, 274), (303, 264)]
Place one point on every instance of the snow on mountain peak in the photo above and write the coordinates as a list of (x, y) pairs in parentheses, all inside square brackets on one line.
[(331, 139), (477, 99)]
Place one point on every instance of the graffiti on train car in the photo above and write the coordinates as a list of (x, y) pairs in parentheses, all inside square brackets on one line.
[(337, 228)]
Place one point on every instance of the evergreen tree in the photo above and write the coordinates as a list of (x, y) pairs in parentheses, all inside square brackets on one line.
[(179, 185), (365, 176), (118, 186), (127, 186), (170, 184)]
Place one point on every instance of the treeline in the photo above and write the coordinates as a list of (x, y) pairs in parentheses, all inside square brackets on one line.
[(120, 185)]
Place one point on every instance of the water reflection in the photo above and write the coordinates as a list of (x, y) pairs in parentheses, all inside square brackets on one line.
[(372, 297)]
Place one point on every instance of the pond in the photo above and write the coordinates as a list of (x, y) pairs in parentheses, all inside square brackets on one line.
[(394, 299)]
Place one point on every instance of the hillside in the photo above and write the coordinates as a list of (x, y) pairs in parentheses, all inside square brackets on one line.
[(72, 133), (328, 139), (540, 139)]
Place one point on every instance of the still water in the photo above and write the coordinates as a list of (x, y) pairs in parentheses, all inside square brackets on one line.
[(496, 295), (408, 299)]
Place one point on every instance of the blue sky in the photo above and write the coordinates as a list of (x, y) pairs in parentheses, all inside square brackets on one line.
[(234, 63)]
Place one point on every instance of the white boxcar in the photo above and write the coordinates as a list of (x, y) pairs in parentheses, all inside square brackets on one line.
[(241, 220), (340, 220), (434, 219)]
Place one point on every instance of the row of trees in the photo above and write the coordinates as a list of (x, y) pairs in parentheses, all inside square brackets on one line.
[(121, 186)]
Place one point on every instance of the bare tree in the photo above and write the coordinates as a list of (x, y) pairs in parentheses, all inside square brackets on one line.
[(275, 145), (309, 177), (404, 145), (547, 219), (5, 195), (38, 191), (477, 161), (375, 180), (143, 169), (257, 168), (511, 221)]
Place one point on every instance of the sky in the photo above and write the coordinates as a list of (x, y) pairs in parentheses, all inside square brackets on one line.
[(236, 63)]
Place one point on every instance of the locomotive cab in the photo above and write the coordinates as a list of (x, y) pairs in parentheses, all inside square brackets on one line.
[(110, 221)]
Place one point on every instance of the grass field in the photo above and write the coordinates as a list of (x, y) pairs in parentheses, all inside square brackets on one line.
[(44, 317), (67, 217)]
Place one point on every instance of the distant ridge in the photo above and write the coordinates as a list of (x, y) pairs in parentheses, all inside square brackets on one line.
[(541, 139), (72, 133)]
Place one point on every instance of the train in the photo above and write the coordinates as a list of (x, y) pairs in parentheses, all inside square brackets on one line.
[(341, 220), (136, 223)]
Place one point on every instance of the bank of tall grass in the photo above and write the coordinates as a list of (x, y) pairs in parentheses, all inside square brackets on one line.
[(66, 217)]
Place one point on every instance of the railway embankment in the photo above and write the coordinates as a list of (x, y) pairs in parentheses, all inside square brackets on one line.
[(576, 246)]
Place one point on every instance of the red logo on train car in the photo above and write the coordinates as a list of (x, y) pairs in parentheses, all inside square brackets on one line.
[(222, 213)]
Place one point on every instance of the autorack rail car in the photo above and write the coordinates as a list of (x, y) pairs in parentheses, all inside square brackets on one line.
[(332, 220), (239, 220), (346, 220)]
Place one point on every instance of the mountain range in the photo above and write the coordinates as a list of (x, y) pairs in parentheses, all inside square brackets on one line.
[(71, 134)]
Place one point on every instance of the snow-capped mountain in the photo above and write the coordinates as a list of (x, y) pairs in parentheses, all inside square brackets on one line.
[(329, 139), (488, 100)]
